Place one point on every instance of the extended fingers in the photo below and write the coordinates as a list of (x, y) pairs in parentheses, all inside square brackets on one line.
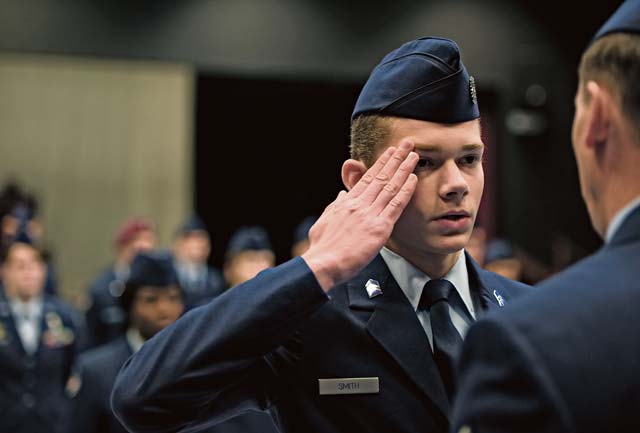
[(391, 188), (394, 207), (372, 172), (383, 178)]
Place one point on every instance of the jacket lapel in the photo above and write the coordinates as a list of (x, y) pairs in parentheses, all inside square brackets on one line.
[(395, 326), (486, 285)]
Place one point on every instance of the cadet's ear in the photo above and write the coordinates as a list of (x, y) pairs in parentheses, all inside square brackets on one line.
[(599, 120), (352, 171)]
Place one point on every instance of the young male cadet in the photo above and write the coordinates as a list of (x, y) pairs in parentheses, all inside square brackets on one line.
[(38, 345), (567, 358), (344, 338)]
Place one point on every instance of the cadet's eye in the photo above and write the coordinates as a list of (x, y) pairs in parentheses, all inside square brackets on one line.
[(425, 162), (470, 159)]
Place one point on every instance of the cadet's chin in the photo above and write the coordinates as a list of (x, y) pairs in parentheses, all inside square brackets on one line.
[(449, 244)]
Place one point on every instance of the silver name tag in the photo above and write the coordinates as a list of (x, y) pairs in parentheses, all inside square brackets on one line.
[(349, 385)]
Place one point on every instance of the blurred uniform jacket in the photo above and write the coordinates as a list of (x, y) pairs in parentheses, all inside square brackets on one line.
[(566, 358), (33, 388), (264, 344), (106, 320), (98, 369)]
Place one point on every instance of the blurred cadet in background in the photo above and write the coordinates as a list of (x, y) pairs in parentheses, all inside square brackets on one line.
[(566, 358), (301, 236), (152, 299), (18, 212), (105, 318), (501, 258), (477, 245), (38, 346), (249, 251), (191, 249)]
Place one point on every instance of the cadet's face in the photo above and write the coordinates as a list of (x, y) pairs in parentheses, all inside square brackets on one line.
[(247, 265), (195, 247), (155, 308), (145, 241), (24, 272), (440, 216)]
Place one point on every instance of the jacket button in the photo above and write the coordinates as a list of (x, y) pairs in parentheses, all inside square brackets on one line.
[(29, 361), (28, 400)]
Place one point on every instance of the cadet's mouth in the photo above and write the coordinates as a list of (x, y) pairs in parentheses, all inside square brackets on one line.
[(453, 216)]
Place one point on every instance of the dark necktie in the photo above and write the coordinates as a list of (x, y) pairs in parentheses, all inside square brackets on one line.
[(446, 339)]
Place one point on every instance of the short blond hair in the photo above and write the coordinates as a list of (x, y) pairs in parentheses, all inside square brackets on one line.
[(614, 60), (369, 133)]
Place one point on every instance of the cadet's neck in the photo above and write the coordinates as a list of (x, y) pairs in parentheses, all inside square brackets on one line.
[(619, 185), (433, 265)]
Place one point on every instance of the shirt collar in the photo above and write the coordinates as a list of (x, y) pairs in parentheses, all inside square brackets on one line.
[(135, 339), (32, 309), (619, 218), (412, 280)]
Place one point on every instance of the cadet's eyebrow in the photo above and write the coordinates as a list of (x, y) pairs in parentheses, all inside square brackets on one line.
[(435, 148)]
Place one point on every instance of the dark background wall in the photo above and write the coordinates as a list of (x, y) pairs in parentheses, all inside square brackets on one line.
[(322, 51)]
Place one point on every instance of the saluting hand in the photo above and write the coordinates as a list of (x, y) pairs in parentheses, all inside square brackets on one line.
[(354, 227)]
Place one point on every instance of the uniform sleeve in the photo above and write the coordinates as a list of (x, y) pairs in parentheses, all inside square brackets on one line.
[(86, 404), (218, 360), (504, 386)]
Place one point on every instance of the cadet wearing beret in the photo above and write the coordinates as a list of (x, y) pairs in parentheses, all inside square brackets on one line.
[(567, 358), (358, 334), (38, 346), (191, 248)]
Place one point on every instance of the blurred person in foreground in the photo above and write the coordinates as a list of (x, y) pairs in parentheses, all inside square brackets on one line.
[(152, 299), (248, 252), (300, 242), (191, 249), (38, 346), (566, 358), (105, 318), (359, 333)]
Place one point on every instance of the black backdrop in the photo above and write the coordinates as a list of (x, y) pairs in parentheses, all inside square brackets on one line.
[(268, 152)]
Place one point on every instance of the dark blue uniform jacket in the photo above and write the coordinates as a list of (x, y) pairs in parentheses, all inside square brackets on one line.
[(567, 358), (33, 388), (264, 344)]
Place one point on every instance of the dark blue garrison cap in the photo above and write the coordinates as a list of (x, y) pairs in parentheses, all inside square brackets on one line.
[(248, 238), (626, 19), (424, 79), (149, 269), (194, 223)]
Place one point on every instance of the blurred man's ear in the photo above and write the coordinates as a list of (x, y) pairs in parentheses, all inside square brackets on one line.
[(599, 120), (352, 172)]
